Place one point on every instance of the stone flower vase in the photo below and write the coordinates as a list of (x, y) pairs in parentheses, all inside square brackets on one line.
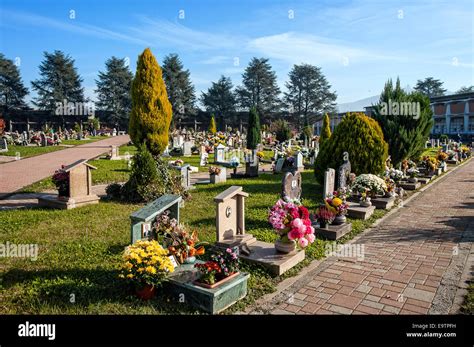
[(285, 247), (190, 260), (323, 224), (365, 203), (146, 292), (340, 219)]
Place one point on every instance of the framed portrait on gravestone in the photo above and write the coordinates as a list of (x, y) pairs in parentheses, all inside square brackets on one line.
[(146, 231), (173, 261)]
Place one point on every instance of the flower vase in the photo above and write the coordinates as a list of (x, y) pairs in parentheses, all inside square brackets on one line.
[(190, 260), (146, 292), (365, 203), (285, 247), (340, 219), (323, 225)]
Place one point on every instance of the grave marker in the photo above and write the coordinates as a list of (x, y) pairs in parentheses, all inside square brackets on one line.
[(291, 187), (3, 145), (141, 220), (329, 182)]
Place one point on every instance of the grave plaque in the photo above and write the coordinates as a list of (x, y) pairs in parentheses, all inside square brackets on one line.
[(175, 142), (203, 161), (291, 187), (142, 219), (185, 176), (187, 148), (329, 182), (299, 161), (230, 218)]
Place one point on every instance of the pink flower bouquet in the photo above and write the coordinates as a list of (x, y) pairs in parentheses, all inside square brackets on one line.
[(291, 222)]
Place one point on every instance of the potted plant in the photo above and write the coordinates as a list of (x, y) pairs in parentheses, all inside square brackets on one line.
[(61, 181), (338, 205), (214, 172), (234, 164), (292, 225), (222, 267), (146, 266), (412, 174), (390, 191), (365, 200), (324, 216), (371, 184), (183, 245)]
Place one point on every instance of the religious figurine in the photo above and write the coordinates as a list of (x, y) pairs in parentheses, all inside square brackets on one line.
[(344, 171)]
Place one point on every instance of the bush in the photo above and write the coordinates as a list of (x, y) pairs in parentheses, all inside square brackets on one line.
[(282, 130), (362, 138), (151, 113), (150, 178)]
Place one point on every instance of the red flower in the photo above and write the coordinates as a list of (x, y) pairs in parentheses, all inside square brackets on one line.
[(304, 212), (294, 213)]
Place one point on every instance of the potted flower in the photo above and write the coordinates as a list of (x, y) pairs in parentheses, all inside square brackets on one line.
[(234, 164), (61, 181), (371, 184), (365, 199), (338, 205), (214, 172), (146, 266), (184, 246), (390, 183), (292, 225), (412, 174), (442, 157), (324, 216), (222, 267), (430, 164)]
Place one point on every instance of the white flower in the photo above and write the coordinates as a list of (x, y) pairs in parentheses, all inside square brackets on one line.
[(369, 182)]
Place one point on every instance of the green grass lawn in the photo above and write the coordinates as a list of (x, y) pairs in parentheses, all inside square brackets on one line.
[(31, 151), (80, 250)]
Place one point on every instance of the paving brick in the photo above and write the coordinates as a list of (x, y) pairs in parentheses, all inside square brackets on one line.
[(418, 294), (344, 301)]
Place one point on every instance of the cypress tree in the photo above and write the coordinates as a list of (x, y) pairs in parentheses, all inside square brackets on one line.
[(253, 136), (151, 112), (212, 125), (405, 133), (326, 131)]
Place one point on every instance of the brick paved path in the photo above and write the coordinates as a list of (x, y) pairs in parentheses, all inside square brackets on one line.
[(413, 260), (18, 174)]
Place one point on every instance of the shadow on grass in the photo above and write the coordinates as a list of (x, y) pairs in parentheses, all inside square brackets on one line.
[(89, 286)]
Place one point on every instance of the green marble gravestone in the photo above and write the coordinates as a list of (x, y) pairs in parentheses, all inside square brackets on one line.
[(141, 220)]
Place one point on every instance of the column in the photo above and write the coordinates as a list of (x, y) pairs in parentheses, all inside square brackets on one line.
[(466, 117), (448, 118)]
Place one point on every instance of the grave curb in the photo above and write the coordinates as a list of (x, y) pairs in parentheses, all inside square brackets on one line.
[(266, 300)]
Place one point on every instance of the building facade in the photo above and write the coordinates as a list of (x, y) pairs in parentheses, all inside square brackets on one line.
[(453, 115)]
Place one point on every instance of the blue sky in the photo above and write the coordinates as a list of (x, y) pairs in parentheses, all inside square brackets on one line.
[(358, 44)]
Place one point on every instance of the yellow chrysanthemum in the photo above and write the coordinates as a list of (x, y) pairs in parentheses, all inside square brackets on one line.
[(336, 202)]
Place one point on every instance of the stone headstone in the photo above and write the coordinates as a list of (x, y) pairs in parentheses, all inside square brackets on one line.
[(180, 140), (187, 146), (142, 219), (344, 171), (114, 153), (203, 159), (185, 176), (3, 145), (79, 188), (219, 152), (175, 142), (329, 182), (230, 218), (437, 142), (43, 140), (291, 187), (299, 161), (279, 165), (220, 178)]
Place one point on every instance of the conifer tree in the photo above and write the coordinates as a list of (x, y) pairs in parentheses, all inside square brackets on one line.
[(151, 112), (253, 136)]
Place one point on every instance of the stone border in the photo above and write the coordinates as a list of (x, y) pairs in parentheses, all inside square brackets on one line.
[(265, 303)]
